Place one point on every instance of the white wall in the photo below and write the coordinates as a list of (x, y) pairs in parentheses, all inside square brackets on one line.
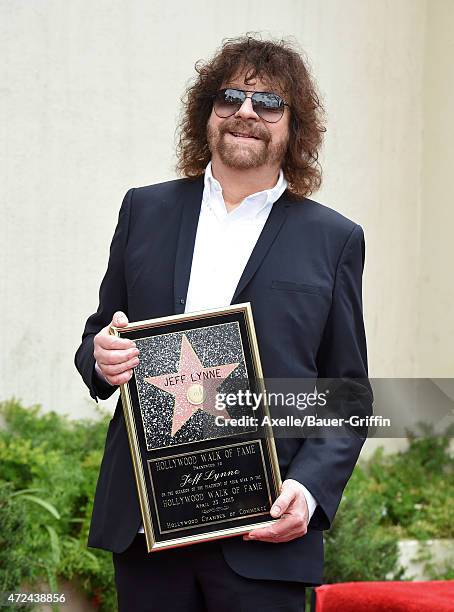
[(436, 282), (90, 97)]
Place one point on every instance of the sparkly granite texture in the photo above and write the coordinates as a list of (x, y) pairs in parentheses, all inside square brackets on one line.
[(160, 355)]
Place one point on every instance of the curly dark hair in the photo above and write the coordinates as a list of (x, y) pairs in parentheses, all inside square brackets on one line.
[(282, 65)]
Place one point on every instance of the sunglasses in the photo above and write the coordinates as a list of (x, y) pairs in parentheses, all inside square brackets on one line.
[(268, 106)]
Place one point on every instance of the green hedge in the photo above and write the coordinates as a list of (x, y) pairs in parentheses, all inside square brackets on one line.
[(58, 459), (48, 470), (405, 495)]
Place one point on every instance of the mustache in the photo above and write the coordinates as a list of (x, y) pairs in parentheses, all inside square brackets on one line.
[(237, 126)]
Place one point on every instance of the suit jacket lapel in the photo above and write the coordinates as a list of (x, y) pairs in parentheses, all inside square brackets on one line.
[(191, 200), (270, 230)]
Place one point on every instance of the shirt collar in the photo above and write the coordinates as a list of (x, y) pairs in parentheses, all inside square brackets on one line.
[(250, 207)]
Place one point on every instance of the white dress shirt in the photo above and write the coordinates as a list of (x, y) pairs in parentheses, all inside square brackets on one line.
[(224, 242), (223, 245)]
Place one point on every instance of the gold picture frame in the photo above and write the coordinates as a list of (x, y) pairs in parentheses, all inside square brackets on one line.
[(172, 426)]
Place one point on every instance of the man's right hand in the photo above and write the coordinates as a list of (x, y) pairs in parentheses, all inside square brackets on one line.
[(115, 357)]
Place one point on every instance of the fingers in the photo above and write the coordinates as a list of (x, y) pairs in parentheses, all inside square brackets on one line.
[(119, 379), (116, 357), (120, 319), (291, 507), (118, 368), (106, 341), (283, 501), (112, 356), (287, 528)]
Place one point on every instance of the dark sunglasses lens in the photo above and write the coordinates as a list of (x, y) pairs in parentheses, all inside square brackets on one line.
[(228, 101), (268, 106)]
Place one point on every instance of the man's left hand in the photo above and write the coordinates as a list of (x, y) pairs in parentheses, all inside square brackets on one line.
[(291, 507)]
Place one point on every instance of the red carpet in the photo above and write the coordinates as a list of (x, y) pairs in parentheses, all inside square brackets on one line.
[(386, 597)]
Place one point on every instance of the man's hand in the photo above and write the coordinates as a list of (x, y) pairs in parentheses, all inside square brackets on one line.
[(115, 357), (291, 506)]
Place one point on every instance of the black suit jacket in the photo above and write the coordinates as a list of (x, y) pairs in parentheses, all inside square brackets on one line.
[(304, 281)]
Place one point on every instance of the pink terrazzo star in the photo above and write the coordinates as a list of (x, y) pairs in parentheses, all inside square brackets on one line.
[(185, 385)]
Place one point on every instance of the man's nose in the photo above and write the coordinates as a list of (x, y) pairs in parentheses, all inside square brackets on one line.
[(246, 110)]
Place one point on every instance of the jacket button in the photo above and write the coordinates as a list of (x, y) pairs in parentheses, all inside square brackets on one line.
[(182, 301)]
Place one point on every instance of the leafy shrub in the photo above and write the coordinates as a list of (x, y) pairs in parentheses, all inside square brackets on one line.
[(417, 486), (58, 459), (14, 565), (358, 547), (49, 466), (405, 495)]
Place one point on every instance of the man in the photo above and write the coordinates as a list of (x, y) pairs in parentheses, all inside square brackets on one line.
[(239, 228)]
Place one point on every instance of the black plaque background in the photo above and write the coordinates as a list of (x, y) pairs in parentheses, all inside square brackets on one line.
[(192, 447), (250, 502)]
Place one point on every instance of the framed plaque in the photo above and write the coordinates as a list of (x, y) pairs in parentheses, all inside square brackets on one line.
[(205, 464)]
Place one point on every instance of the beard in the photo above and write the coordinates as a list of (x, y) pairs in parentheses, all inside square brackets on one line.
[(241, 154)]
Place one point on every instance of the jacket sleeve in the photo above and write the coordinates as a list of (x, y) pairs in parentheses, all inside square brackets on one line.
[(324, 464), (112, 297)]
